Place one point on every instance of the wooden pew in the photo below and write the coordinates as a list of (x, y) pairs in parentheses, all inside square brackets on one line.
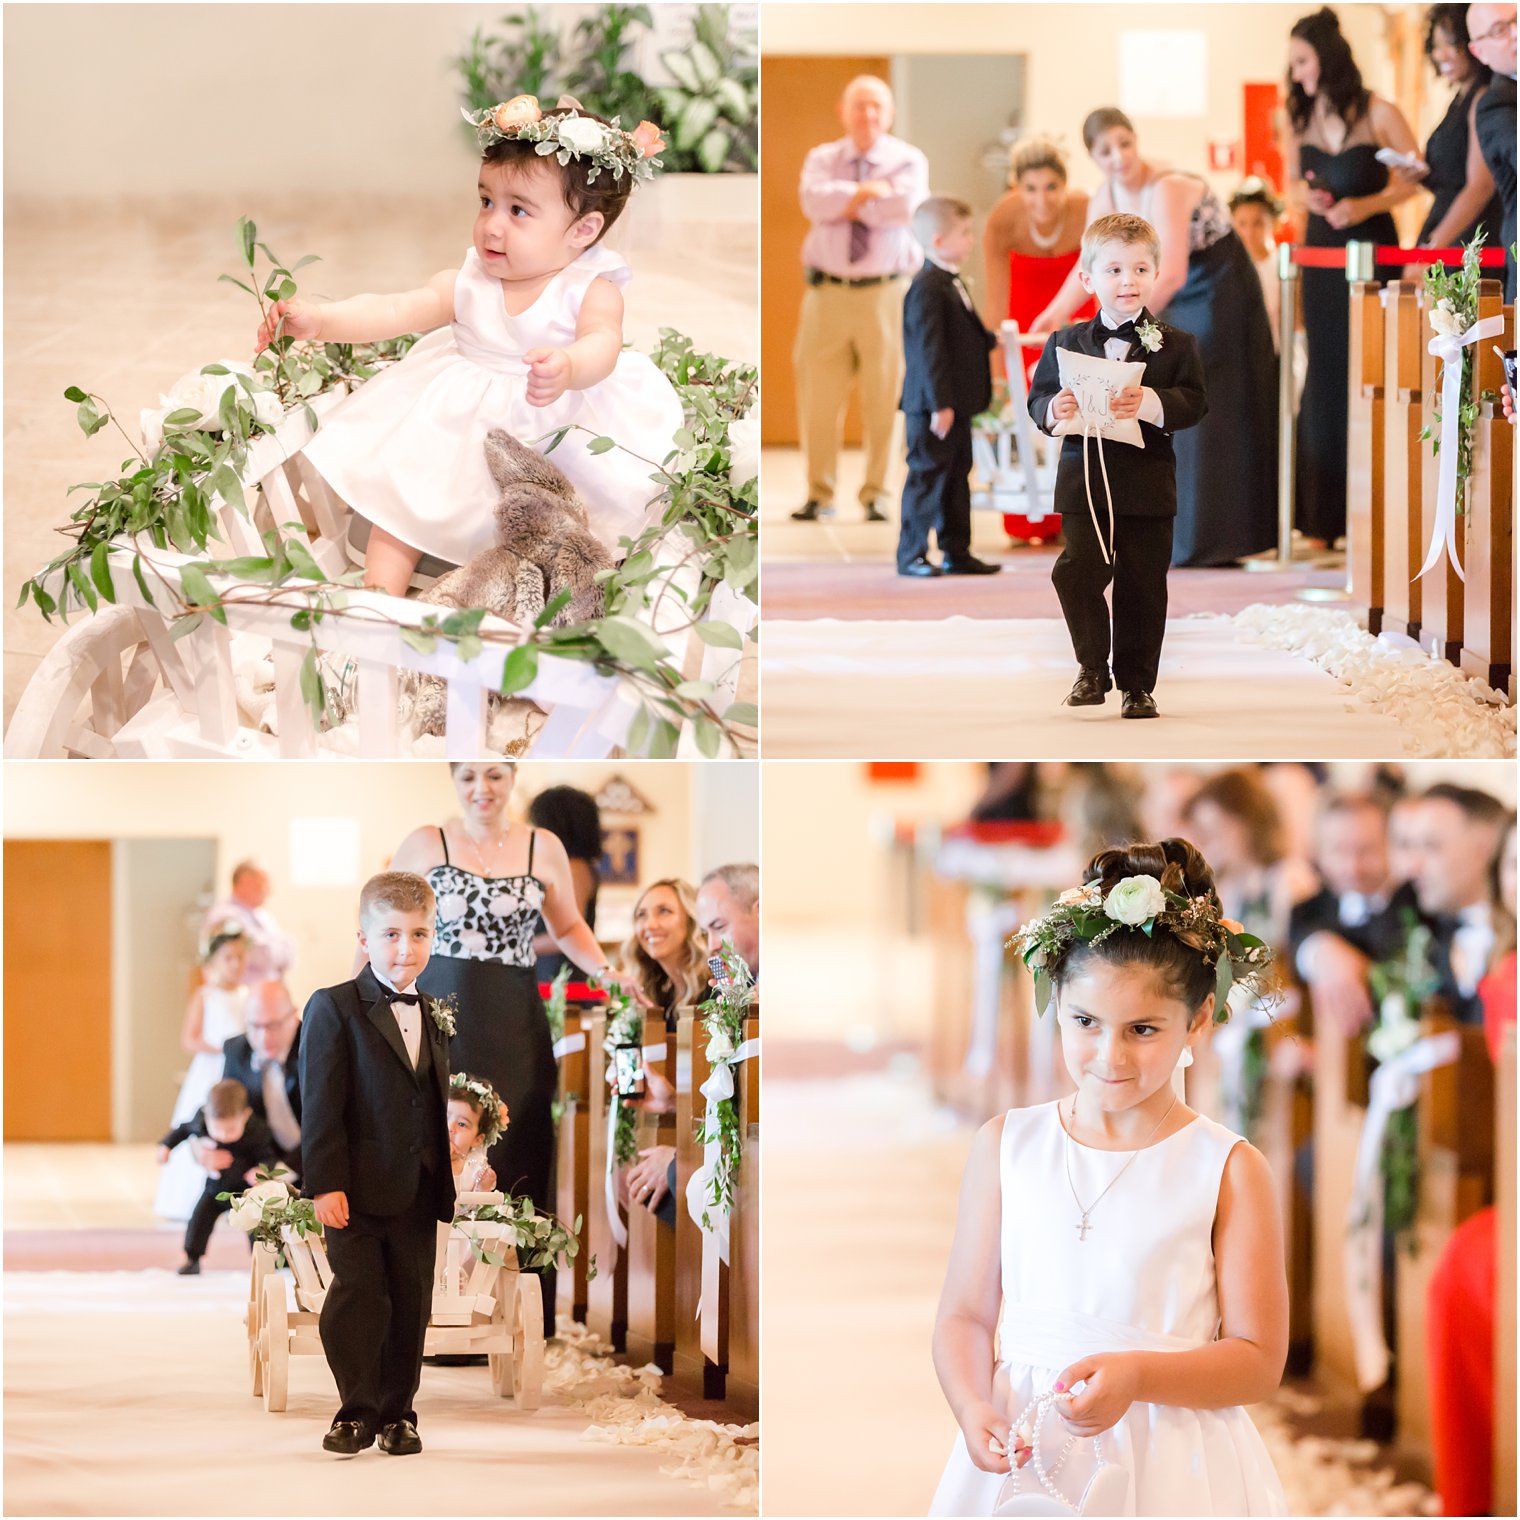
[(572, 1177), (1365, 482), (1286, 1124), (1504, 1281), (1405, 529), (950, 1030), (651, 1243), (607, 1292)]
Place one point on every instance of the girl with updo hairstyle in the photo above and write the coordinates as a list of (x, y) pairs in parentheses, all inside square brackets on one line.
[(1117, 1269)]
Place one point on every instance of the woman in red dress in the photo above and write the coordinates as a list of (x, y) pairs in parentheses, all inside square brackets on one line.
[(1033, 237)]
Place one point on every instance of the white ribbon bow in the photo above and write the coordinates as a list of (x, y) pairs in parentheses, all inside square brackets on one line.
[(716, 1089), (1449, 351), (1395, 1085)]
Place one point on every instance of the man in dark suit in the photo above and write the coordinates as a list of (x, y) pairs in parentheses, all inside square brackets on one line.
[(266, 1060), (946, 383), (374, 1145), (1491, 33), (1118, 264)]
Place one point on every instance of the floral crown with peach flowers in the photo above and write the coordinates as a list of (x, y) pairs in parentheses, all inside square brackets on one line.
[(480, 1095), (604, 145), (1087, 915)]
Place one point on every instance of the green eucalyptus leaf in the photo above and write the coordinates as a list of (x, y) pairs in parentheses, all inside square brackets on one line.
[(419, 639), (719, 635), (73, 393), (301, 562), (81, 585), (1044, 990), (199, 591), (553, 607), (742, 715), (631, 641), (142, 583), (709, 736), (519, 669), (313, 691), (185, 625), (601, 445), (100, 570)]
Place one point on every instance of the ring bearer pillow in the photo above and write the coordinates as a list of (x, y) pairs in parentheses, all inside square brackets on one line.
[(1095, 382)]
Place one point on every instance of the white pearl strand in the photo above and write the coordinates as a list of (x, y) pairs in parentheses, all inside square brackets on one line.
[(1041, 1403)]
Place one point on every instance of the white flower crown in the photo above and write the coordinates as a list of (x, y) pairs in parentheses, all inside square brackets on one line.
[(604, 145), (483, 1094)]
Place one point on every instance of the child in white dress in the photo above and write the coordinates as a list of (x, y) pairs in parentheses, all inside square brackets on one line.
[(217, 1012), (1115, 1249), (527, 335), (476, 1118)]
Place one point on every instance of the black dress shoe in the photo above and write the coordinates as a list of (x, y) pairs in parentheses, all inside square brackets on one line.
[(189, 1269), (811, 511), (921, 566), (969, 565), (1140, 704), (1089, 689), (874, 513), (400, 1439), (348, 1438)]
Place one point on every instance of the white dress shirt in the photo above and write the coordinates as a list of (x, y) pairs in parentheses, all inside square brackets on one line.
[(1118, 349), (831, 174), (1472, 947), (408, 1020), (954, 270)]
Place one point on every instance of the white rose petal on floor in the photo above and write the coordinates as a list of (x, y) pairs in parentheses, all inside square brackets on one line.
[(127, 1393)]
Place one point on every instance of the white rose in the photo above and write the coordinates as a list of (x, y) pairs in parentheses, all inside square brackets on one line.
[(580, 135), (261, 1191), (1135, 900), (744, 441), (203, 393), (1447, 323), (247, 1217), (451, 905), (719, 1048)]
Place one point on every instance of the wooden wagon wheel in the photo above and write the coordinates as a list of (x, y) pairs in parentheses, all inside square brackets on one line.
[(260, 1269), (274, 1343), (528, 1341)]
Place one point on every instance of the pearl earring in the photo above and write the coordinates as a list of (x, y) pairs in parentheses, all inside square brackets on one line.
[(1186, 1058)]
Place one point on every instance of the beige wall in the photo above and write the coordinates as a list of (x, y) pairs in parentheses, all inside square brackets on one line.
[(1246, 44)]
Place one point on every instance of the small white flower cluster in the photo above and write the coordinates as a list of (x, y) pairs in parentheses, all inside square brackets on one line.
[(248, 1210), (443, 1012), (202, 393), (485, 1096), (1149, 335)]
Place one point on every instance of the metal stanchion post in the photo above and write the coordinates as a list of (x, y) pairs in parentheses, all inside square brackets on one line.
[(1287, 328)]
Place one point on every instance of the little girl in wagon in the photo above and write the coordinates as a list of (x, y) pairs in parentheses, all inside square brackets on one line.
[(527, 336), (1124, 1251)]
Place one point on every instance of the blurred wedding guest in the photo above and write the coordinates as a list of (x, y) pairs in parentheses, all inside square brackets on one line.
[(1031, 241), (1016, 791), (271, 951), (1234, 820), (1166, 792), (1099, 808), (728, 908), (1254, 211), (858, 193), (1456, 174), (1459, 1321), (571, 815), (1403, 841), (216, 1011), (265, 1058), (1459, 830), (1491, 40), (1336, 126), (666, 955)]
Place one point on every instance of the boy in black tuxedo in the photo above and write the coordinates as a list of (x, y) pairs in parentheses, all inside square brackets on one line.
[(1119, 260), (375, 1154), (947, 382), (230, 1123)]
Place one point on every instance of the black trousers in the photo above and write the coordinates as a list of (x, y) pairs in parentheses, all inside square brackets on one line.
[(376, 1312), (937, 493), (1142, 552), (203, 1216)]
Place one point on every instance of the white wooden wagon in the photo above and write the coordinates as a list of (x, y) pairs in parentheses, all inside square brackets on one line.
[(1015, 462), (118, 685), (480, 1308)]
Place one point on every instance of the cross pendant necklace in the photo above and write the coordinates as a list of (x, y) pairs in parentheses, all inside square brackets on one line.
[(1087, 1209), (1083, 1228)]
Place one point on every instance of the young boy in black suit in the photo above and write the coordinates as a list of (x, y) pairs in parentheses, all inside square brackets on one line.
[(947, 382), (375, 1155), (229, 1122), (1118, 264)]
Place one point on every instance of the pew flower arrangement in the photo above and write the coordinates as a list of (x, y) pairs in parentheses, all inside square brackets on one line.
[(625, 1026), (1399, 987), (270, 1206), (722, 1017), (195, 450), (541, 1239), (1452, 295)]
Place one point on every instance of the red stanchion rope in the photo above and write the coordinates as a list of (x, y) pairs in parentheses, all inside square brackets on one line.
[(1335, 258), (576, 992)]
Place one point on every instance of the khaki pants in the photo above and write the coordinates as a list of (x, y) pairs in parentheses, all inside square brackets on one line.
[(848, 333)]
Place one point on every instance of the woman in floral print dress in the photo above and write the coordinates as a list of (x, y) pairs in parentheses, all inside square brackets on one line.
[(492, 878)]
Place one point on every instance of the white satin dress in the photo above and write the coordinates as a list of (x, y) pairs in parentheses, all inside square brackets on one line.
[(1143, 1280), (407, 449)]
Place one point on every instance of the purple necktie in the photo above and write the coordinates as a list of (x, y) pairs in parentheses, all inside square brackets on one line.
[(860, 234)]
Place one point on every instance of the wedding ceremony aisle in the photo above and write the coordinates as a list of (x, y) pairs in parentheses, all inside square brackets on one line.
[(127, 1389)]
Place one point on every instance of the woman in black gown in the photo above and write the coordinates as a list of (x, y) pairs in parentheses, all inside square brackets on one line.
[(1457, 177), (1336, 126), (492, 878), (1207, 286), (571, 815)]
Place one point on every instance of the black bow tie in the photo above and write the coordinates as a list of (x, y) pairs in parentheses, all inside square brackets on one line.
[(409, 998), (1123, 330)]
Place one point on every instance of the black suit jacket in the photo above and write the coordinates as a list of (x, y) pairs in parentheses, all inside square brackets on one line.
[(237, 1064), (1495, 125), (1144, 480), (255, 1147), (368, 1123), (1379, 938), (945, 348)]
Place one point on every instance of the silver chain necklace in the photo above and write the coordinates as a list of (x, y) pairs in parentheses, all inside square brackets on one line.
[(501, 843), (1087, 1209)]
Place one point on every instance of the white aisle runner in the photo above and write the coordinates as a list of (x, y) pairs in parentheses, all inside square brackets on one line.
[(126, 1394), (945, 690)]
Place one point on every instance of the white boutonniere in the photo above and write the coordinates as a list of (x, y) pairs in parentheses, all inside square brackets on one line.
[(442, 1011), (1149, 335)]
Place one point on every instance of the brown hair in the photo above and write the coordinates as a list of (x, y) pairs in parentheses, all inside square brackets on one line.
[(1177, 960), (604, 194), (226, 1100), (1100, 121), (1244, 795), (1118, 227), (1037, 153), (691, 975), (394, 892)]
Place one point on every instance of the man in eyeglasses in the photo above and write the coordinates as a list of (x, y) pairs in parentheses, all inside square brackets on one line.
[(1491, 40)]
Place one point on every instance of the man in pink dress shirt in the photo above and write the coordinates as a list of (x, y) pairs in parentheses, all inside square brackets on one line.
[(859, 193)]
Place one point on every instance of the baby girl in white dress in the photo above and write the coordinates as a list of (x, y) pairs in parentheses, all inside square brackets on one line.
[(527, 335)]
